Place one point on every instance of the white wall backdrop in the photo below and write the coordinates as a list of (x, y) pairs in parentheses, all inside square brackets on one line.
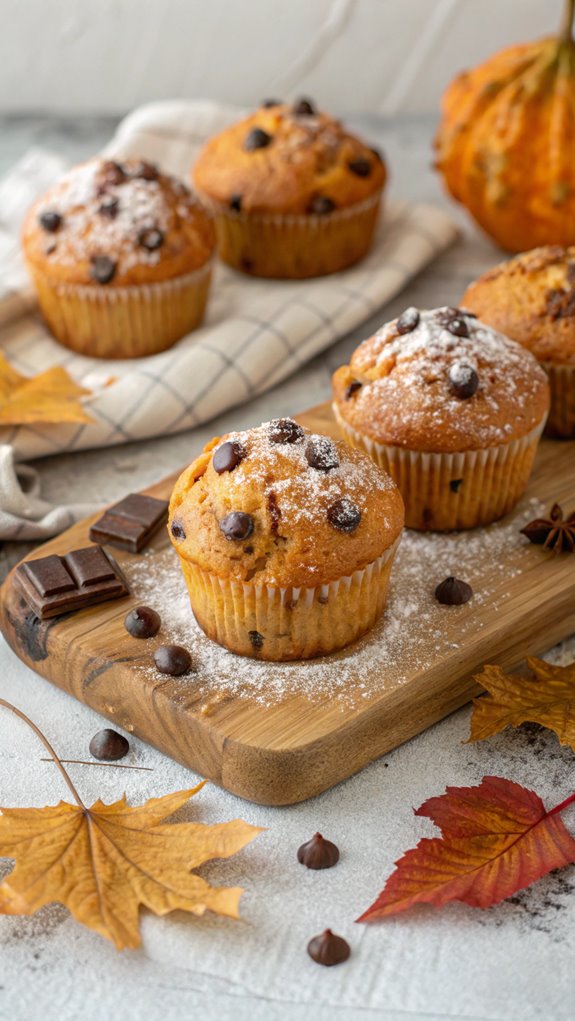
[(387, 56)]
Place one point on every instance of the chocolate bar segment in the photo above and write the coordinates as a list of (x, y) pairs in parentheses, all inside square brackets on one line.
[(54, 585), (130, 523)]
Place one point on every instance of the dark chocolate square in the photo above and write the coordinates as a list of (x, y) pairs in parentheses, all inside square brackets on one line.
[(49, 575), (130, 523), (55, 585), (89, 566), (141, 508)]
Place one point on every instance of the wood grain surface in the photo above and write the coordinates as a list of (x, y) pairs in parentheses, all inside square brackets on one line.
[(295, 748)]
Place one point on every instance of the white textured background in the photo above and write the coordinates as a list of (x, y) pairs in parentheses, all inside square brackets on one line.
[(386, 56)]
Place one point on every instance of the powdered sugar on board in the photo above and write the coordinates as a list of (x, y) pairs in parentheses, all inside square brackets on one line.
[(410, 636)]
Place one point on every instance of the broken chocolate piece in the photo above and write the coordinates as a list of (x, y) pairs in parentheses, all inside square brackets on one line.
[(130, 523), (53, 585)]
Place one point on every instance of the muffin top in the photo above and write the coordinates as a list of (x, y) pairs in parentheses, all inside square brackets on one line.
[(441, 381), (113, 224), (531, 298), (279, 505), (288, 158)]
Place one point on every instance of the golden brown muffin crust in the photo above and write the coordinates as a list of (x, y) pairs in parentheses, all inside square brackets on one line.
[(115, 224), (531, 299), (280, 161), (293, 541), (412, 385)]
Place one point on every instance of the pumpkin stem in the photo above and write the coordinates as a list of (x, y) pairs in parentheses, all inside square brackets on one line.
[(566, 32)]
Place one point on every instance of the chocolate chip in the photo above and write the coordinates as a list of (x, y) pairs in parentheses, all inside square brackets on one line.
[(237, 526), (285, 430), (328, 949), (109, 207), (344, 515), (143, 622), (257, 138), (151, 238), (453, 592), (267, 103), (102, 269), (463, 380), (318, 853), (360, 167), (112, 172), (50, 221), (408, 320), (146, 171), (173, 660), (455, 484), (274, 512), (236, 203), (457, 326), (321, 453), (109, 745), (303, 108), (178, 531), (256, 639), (352, 388), (228, 456), (321, 205)]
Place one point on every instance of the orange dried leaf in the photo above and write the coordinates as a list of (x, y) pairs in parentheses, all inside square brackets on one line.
[(102, 863), (547, 699), (52, 396), (496, 839)]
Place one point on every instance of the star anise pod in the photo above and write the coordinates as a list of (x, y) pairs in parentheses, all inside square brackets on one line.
[(555, 533)]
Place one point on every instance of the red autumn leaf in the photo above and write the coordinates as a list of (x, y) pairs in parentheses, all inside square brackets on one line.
[(496, 839)]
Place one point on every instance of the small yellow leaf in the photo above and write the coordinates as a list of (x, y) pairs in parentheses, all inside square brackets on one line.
[(52, 396)]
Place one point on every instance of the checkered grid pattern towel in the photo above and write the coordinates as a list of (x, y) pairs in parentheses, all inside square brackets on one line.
[(256, 332)]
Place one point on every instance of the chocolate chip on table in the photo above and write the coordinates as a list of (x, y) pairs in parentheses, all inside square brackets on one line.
[(256, 639), (235, 203), (318, 853), (143, 622), (285, 430), (151, 238), (360, 167), (304, 108), (328, 949), (321, 205), (463, 380), (267, 103), (50, 221), (321, 453), (352, 388), (102, 269), (455, 484), (173, 660), (408, 320), (257, 138), (178, 531), (109, 746), (453, 592), (237, 526), (344, 515), (146, 171), (228, 456), (110, 208)]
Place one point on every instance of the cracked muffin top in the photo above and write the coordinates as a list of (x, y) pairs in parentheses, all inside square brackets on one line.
[(531, 299), (279, 505)]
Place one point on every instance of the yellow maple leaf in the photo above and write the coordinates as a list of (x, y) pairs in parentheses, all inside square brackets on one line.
[(104, 862), (548, 699), (51, 396)]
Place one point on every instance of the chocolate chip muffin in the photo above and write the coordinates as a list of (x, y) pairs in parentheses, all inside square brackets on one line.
[(451, 409), (286, 540), (293, 193), (120, 255), (531, 299)]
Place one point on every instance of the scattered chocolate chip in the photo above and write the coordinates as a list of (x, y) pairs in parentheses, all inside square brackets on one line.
[(321, 453), (318, 853), (352, 388), (257, 138), (285, 430), (50, 221), (112, 172), (228, 456), (408, 320), (256, 640), (237, 526), (102, 269), (463, 380), (344, 515), (328, 949), (151, 238), (143, 622), (146, 171), (178, 531), (173, 660), (458, 327), (455, 484), (109, 745), (360, 167), (303, 108), (267, 103), (321, 205), (236, 203), (109, 207), (453, 592)]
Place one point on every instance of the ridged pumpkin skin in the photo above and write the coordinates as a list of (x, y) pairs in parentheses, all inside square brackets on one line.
[(506, 144)]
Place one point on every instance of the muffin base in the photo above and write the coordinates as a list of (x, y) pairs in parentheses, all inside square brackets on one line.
[(293, 623), (561, 421), (295, 246), (446, 492), (123, 322)]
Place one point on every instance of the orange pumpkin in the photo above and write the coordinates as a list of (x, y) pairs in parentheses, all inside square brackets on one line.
[(506, 142)]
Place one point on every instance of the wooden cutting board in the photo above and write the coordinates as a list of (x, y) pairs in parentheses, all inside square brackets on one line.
[(285, 749)]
